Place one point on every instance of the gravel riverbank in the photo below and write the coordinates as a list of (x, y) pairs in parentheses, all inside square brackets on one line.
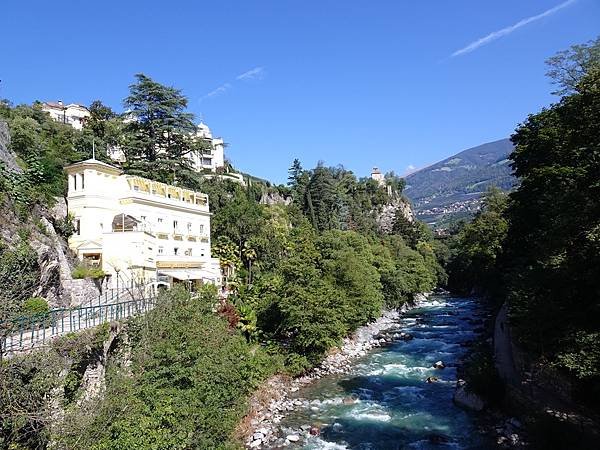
[(270, 403)]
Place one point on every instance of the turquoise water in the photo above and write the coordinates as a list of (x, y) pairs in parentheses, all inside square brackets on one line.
[(384, 402)]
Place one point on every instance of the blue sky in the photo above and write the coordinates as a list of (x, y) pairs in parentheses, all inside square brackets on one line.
[(387, 83)]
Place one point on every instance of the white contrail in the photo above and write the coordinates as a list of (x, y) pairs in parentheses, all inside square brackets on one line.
[(257, 72), (506, 31)]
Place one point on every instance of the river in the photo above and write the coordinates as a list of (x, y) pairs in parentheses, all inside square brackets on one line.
[(384, 401)]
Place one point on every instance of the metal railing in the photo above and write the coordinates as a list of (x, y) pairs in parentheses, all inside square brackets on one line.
[(29, 332)]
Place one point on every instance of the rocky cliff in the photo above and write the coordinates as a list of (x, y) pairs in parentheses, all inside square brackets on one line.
[(7, 157), (55, 260), (274, 198), (385, 217)]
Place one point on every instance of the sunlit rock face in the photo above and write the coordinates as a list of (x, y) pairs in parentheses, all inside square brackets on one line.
[(7, 157), (385, 218)]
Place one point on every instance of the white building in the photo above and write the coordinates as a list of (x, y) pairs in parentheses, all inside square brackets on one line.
[(377, 176), (139, 230), (213, 157), (71, 114)]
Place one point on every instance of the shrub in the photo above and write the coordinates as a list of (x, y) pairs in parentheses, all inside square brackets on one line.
[(83, 271), (64, 227), (79, 272), (35, 305), (96, 273)]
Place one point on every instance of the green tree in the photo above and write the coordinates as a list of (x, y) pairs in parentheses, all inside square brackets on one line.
[(100, 116), (159, 132), (568, 67), (475, 250), (552, 251), (294, 173)]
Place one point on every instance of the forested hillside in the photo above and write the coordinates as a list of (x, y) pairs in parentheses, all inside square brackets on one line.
[(538, 249), (452, 188)]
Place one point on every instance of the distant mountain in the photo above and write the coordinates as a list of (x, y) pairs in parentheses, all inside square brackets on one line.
[(452, 188)]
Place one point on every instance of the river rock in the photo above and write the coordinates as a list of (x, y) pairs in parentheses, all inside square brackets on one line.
[(431, 379), (466, 399), (314, 431), (349, 401), (258, 436), (406, 336), (438, 439), (439, 365), (293, 437), (255, 444)]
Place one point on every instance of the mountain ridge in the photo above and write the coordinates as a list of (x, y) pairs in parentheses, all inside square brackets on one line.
[(452, 188)]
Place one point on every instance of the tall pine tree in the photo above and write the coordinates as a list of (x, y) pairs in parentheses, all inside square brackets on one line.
[(159, 133)]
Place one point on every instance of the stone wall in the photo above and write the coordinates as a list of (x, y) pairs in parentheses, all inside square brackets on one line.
[(56, 264)]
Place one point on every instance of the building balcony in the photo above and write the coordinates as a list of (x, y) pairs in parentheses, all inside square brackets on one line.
[(153, 192), (180, 261)]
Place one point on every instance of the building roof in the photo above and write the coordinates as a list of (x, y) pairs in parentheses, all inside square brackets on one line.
[(203, 130), (94, 164), (61, 106)]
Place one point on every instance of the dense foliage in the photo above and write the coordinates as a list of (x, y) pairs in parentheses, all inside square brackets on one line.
[(553, 243), (476, 248), (307, 288), (540, 250), (185, 387), (19, 274)]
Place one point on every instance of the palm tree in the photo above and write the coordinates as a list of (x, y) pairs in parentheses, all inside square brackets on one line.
[(249, 254)]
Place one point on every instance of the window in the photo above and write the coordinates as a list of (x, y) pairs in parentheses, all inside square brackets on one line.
[(82, 181), (75, 182), (174, 224), (188, 252), (160, 220), (136, 188), (77, 224), (161, 250), (175, 250), (143, 218), (201, 228), (189, 226)]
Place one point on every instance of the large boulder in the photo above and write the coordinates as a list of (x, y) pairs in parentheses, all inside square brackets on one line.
[(467, 399)]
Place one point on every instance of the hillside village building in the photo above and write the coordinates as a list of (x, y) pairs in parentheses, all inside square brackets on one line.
[(139, 230), (71, 114)]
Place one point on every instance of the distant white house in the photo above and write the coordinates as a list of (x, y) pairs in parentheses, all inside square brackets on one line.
[(72, 114), (213, 157)]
